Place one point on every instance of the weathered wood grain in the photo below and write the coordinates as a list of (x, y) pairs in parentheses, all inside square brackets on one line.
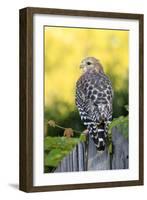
[(120, 158), (85, 157)]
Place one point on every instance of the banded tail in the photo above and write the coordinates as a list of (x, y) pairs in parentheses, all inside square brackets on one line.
[(98, 135)]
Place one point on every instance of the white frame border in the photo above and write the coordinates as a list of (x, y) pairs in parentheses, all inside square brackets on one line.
[(42, 179)]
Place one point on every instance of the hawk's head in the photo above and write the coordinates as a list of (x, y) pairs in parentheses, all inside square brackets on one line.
[(91, 63)]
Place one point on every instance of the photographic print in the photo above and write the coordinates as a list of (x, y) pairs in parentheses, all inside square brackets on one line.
[(86, 99), (81, 99)]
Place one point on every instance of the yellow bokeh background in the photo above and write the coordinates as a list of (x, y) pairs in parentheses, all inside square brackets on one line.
[(64, 48)]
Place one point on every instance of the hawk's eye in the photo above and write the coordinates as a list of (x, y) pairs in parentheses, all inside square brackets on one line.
[(88, 63)]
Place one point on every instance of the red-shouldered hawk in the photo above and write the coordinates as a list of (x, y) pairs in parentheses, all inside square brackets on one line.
[(94, 100)]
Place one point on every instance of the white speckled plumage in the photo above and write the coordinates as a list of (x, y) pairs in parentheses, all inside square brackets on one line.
[(94, 100)]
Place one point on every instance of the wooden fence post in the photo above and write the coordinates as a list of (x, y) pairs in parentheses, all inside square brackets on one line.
[(85, 157)]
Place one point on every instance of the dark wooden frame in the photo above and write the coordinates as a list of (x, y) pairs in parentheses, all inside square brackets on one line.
[(26, 99)]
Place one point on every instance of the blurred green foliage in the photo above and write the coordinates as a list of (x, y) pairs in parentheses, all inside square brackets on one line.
[(56, 148), (120, 123)]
